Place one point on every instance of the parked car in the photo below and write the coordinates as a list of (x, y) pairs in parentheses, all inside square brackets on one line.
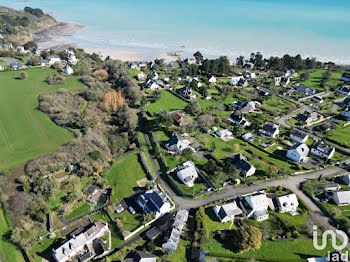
[(132, 211), (252, 183), (120, 208)]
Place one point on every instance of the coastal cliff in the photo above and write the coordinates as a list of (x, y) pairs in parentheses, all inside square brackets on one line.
[(18, 26)]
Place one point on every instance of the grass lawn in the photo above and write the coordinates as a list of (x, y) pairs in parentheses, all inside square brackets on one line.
[(55, 201), (341, 135), (286, 249), (9, 252), (167, 102), (42, 246), (78, 211), (277, 104), (130, 222), (26, 132), (133, 72), (123, 175)]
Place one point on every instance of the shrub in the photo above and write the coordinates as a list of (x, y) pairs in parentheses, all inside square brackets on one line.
[(23, 75), (56, 80), (100, 75), (95, 155)]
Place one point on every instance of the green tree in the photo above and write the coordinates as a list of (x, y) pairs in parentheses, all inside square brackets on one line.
[(247, 238), (23, 75), (95, 155), (198, 56)]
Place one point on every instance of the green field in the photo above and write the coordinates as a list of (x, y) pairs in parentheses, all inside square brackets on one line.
[(26, 132), (82, 209), (167, 102), (9, 252), (123, 175), (341, 135)]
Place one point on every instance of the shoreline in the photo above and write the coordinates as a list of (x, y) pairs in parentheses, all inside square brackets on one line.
[(57, 37)]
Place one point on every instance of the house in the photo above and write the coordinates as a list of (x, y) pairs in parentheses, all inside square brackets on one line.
[(36, 51), (187, 93), (154, 201), (238, 120), (154, 75), (257, 206), (6, 47), (68, 70), (281, 81), (323, 150), (298, 136), (234, 80), (248, 65), (149, 83), (140, 256), (248, 137), (246, 107), (178, 225), (140, 76), (287, 203), (346, 113), (248, 75), (179, 119), (243, 167), (291, 73), (346, 179), (298, 152), (224, 133), (131, 64), (71, 58), (344, 90), (44, 63), (317, 99), (94, 194), (309, 118), (345, 77), (346, 102), (227, 212), (166, 80), (341, 198), (242, 82), (212, 79), (53, 60), (187, 173), (190, 60), (2, 68), (17, 66), (81, 242), (20, 49), (177, 144), (262, 92), (270, 130), (303, 90)]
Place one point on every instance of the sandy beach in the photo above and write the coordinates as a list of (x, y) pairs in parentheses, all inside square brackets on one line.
[(55, 37)]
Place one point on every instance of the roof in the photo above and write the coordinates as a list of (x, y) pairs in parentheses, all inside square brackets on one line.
[(139, 255), (230, 210), (343, 196), (288, 201), (187, 171), (299, 134), (178, 118), (301, 148), (91, 189), (326, 149), (240, 162), (270, 128), (258, 201)]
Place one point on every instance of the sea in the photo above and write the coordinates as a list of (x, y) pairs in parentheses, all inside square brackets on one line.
[(312, 28)]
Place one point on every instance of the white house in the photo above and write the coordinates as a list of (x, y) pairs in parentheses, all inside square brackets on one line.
[(2, 68), (249, 75), (341, 198), (68, 70), (248, 137), (298, 152), (80, 243), (53, 60), (323, 150), (140, 76), (154, 201), (257, 206), (154, 75), (238, 120), (212, 79), (179, 223), (298, 137), (177, 144), (317, 99), (71, 57), (234, 80), (149, 83), (242, 165), (346, 113), (20, 49), (224, 133), (287, 203), (246, 107), (227, 212), (187, 93), (291, 73), (187, 173), (270, 130), (282, 81)]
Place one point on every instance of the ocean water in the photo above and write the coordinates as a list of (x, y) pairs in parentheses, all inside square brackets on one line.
[(318, 28)]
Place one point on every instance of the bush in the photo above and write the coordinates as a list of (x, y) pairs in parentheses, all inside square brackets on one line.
[(23, 75), (56, 80), (95, 155)]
